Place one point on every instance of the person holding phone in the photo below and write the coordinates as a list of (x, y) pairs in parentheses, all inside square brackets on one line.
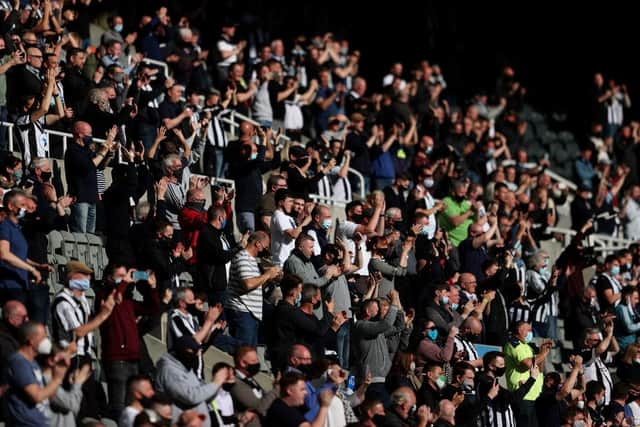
[(121, 343)]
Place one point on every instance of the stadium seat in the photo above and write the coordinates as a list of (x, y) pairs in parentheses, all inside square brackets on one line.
[(186, 279), (54, 239), (83, 247), (69, 247), (97, 258)]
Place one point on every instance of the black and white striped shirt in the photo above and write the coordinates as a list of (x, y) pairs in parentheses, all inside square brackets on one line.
[(244, 266), (498, 412), (68, 314), (34, 142), (176, 197), (519, 311), (216, 135), (470, 352), (543, 299), (180, 324)]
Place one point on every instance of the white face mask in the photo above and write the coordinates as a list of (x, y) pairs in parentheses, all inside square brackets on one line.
[(412, 366), (45, 346)]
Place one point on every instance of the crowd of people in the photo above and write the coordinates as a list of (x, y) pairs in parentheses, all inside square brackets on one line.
[(428, 302)]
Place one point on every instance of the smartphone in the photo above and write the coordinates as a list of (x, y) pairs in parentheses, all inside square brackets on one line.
[(140, 275)]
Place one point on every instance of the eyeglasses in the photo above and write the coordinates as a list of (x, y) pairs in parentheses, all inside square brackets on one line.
[(35, 56)]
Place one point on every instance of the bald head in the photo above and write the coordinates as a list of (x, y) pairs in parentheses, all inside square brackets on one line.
[(246, 129), (14, 313), (80, 130), (447, 410), (472, 326), (195, 195)]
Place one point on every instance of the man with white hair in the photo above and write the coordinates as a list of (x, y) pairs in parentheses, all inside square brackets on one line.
[(447, 414), (403, 400)]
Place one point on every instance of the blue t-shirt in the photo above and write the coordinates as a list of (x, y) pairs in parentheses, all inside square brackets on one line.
[(23, 412), (10, 276)]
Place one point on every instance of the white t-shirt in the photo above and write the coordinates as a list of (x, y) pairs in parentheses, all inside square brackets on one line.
[(345, 230), (224, 46), (281, 243), (128, 416)]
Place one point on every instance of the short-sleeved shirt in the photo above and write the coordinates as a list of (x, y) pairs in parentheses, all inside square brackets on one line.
[(515, 353), (244, 266), (281, 243), (21, 373), (281, 414), (345, 230), (454, 208), (10, 276)]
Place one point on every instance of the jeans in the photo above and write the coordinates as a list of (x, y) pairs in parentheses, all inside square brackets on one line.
[(83, 218), (117, 373), (246, 221), (243, 327), (342, 344), (213, 162), (549, 329), (527, 414)]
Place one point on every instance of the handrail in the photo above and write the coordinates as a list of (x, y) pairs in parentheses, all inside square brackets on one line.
[(160, 64), (600, 242), (559, 178)]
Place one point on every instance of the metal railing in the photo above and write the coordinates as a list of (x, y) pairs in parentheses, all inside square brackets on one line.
[(64, 135), (559, 178), (600, 242)]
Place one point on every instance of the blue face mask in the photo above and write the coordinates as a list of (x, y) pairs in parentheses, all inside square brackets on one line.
[(298, 300), (118, 28), (615, 270), (80, 284), (444, 300), (17, 175), (254, 156), (454, 306), (529, 337), (224, 223), (432, 334), (424, 231), (490, 152), (87, 140), (326, 224), (117, 281)]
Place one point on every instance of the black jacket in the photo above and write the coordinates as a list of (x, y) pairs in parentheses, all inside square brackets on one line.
[(212, 258)]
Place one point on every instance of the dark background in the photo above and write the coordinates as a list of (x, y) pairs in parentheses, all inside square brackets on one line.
[(555, 47)]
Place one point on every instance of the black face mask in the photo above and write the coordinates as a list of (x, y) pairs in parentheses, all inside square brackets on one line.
[(301, 162), (499, 371), (305, 369), (178, 174), (227, 386), (193, 310), (458, 199), (317, 305), (146, 402), (378, 419), (265, 253), (253, 369), (357, 218), (45, 176), (382, 251), (196, 206), (189, 360)]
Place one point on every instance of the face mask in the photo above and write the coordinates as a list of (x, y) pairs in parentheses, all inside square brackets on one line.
[(117, 281), (119, 78), (305, 369), (379, 420), (80, 284), (459, 199), (444, 300), (432, 334), (429, 150), (224, 223), (326, 224), (628, 266), (441, 382), (428, 182), (600, 401), (499, 371), (317, 305), (21, 213), (593, 302), (579, 423), (192, 309), (454, 306), (615, 270), (490, 152), (198, 206), (189, 360), (357, 218), (412, 366), (118, 28), (581, 404), (178, 174), (45, 176), (485, 227), (17, 174), (637, 361), (146, 402), (424, 231), (45, 346), (298, 300), (544, 271), (227, 386), (253, 156), (253, 369), (529, 337), (87, 140), (467, 385), (382, 251)]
